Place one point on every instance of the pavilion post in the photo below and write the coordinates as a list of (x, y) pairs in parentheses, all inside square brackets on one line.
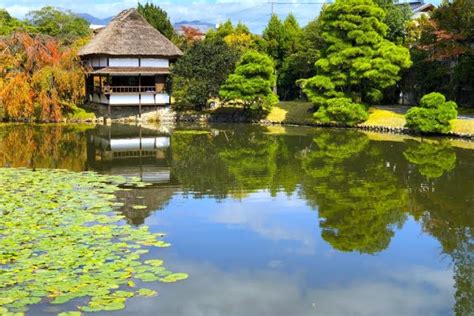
[(139, 95)]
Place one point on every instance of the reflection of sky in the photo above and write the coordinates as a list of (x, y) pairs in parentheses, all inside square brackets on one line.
[(265, 256)]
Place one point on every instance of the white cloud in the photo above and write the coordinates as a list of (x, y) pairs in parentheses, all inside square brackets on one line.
[(255, 14), (213, 292)]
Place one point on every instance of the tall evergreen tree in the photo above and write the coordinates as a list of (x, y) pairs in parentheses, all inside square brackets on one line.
[(158, 18), (274, 35), (289, 72), (292, 33), (357, 63)]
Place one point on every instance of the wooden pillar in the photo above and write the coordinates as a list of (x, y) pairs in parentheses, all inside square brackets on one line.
[(141, 148), (100, 84), (139, 95)]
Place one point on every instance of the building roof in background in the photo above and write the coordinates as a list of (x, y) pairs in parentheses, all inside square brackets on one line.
[(422, 7), (129, 34)]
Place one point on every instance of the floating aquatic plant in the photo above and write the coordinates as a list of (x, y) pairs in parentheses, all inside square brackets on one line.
[(61, 239)]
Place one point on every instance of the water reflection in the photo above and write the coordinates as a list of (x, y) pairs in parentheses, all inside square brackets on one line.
[(130, 151), (305, 200), (42, 146), (358, 196), (432, 159)]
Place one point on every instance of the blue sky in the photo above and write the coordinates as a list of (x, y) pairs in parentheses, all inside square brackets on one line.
[(255, 13)]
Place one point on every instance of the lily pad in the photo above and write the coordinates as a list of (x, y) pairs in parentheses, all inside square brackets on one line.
[(146, 292), (138, 207), (174, 277), (61, 238)]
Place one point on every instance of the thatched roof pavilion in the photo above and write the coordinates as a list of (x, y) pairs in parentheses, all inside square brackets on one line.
[(129, 61), (129, 34)]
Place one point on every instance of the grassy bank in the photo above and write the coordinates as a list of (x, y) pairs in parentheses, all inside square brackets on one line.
[(295, 112)]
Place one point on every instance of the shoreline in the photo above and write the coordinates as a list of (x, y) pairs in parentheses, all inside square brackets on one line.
[(285, 114)]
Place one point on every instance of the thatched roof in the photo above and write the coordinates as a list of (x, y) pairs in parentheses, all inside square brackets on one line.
[(129, 34)]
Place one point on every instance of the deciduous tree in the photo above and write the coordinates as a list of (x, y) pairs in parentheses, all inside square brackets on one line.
[(63, 25), (39, 79), (198, 75)]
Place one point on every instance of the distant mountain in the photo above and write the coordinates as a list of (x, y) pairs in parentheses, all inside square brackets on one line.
[(93, 20), (200, 25)]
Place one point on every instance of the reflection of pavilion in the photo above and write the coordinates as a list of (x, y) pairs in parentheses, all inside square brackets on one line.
[(130, 151)]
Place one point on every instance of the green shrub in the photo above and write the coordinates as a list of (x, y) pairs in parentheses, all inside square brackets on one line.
[(433, 114), (342, 110)]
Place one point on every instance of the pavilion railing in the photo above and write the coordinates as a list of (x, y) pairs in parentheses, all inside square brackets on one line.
[(129, 89), (124, 89)]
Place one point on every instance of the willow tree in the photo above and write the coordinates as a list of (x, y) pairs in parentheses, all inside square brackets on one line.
[(252, 82), (357, 61)]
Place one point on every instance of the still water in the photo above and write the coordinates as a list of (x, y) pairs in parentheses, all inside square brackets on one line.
[(284, 221)]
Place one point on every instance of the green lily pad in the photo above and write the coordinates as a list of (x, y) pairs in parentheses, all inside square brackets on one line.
[(146, 292), (138, 207), (155, 262), (61, 238), (174, 277)]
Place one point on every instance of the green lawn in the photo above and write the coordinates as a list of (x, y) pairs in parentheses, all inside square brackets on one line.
[(385, 118), (296, 112), (299, 112)]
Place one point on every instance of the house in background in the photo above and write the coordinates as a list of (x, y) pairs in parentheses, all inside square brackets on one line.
[(418, 7), (129, 63)]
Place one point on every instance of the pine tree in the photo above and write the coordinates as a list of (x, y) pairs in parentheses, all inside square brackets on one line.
[(158, 18), (274, 35), (357, 63), (252, 82)]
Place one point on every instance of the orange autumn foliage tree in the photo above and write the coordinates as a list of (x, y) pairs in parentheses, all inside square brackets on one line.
[(39, 79)]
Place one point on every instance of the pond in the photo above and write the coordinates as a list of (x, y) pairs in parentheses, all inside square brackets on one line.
[(282, 221)]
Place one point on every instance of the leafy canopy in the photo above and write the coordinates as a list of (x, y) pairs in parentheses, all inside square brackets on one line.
[(39, 79), (9, 24), (158, 18), (199, 74), (396, 17), (433, 115), (441, 46), (63, 25), (238, 36), (252, 82)]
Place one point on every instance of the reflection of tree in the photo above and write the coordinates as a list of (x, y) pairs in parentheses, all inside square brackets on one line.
[(432, 159), (236, 162), (358, 197), (332, 148), (457, 240), (62, 147), (197, 165), (288, 165), (251, 159), (463, 259), (445, 211)]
